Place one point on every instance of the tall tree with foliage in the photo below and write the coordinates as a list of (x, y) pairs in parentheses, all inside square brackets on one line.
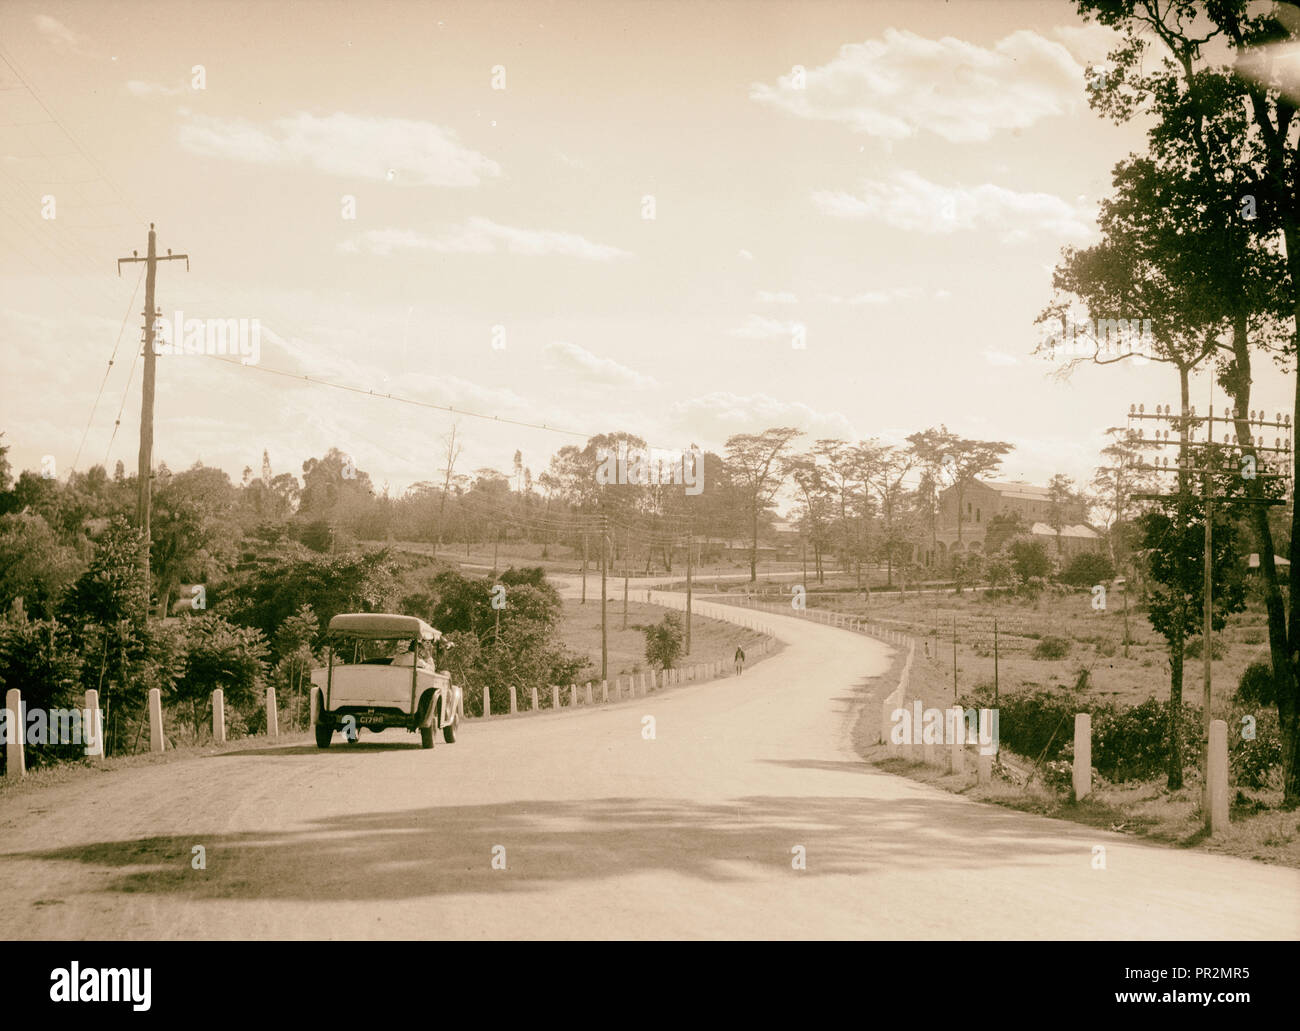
[(755, 459), (1224, 134)]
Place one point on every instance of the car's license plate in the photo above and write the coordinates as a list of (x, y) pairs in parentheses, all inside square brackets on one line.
[(368, 720)]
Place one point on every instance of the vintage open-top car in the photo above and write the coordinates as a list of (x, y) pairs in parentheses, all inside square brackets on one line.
[(370, 682)]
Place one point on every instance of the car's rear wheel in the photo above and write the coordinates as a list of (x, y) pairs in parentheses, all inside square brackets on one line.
[(323, 735), (449, 731), (426, 736)]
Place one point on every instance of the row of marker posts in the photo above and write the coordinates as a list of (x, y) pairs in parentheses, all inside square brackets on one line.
[(15, 746), (1081, 780), (635, 685)]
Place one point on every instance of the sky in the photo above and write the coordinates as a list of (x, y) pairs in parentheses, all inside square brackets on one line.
[(887, 184)]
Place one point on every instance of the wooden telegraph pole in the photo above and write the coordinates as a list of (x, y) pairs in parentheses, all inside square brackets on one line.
[(604, 601), (144, 496), (690, 546)]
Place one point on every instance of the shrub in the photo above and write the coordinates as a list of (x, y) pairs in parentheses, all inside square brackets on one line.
[(1256, 685), (1029, 558), (1252, 760), (1086, 569), (1031, 721), (1133, 743), (663, 641), (1217, 648), (1051, 648)]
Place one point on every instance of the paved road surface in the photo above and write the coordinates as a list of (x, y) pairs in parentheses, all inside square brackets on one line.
[(606, 834)]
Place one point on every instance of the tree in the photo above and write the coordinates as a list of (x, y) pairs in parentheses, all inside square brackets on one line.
[(756, 466), (1222, 148), (294, 647), (451, 453), (220, 654), (191, 529), (885, 470), (1001, 529), (930, 449), (1029, 558), (967, 460), (1062, 501), (35, 565), (663, 641), (818, 499)]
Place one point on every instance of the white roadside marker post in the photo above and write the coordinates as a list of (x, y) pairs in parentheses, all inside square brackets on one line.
[(156, 743), (1081, 779), (15, 733)]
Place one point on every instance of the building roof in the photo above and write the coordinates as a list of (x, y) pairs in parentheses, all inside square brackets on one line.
[(1028, 491), (1071, 530)]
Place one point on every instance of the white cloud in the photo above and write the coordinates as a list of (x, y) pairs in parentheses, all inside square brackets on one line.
[(480, 235), (896, 293), (56, 32), (746, 255), (776, 297), (760, 327), (899, 85), (909, 202), (716, 416), (995, 357), (1088, 43), (140, 88), (419, 153), (594, 369)]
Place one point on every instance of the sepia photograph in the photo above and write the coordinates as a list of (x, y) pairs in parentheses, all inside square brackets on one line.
[(570, 470)]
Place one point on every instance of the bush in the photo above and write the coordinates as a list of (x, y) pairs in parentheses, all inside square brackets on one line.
[(1193, 649), (1133, 743), (1086, 569), (1127, 743), (1031, 721), (663, 641), (1256, 685), (1051, 648), (1253, 760)]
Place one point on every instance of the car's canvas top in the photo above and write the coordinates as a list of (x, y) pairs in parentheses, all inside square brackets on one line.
[(382, 625)]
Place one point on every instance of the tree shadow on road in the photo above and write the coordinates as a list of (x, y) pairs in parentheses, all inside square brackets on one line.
[(441, 850)]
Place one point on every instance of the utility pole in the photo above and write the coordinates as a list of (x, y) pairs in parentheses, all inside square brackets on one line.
[(954, 658), (689, 549), (144, 497), (584, 568), (995, 662), (1209, 453), (625, 597), (604, 605)]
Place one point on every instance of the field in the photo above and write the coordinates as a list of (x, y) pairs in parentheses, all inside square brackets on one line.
[(711, 639), (1095, 642)]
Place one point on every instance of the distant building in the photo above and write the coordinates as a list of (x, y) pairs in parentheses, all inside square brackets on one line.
[(984, 499)]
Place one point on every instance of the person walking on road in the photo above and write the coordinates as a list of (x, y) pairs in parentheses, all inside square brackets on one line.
[(740, 660)]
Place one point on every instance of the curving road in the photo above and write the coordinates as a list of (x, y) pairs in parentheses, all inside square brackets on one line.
[(605, 834)]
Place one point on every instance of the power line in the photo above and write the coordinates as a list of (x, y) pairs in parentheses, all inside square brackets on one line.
[(68, 132), (118, 421), (107, 370), (365, 392)]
